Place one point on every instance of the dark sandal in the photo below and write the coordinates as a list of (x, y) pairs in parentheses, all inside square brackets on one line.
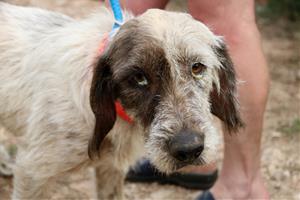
[(206, 195), (145, 172)]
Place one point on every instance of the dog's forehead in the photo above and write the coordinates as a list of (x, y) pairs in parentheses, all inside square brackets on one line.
[(164, 23), (181, 35)]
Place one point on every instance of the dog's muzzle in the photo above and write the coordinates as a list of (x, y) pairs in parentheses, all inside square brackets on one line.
[(186, 146)]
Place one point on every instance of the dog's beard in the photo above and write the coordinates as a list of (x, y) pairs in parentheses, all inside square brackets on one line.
[(162, 159)]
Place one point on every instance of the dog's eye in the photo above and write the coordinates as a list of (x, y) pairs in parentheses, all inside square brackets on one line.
[(197, 69), (140, 79)]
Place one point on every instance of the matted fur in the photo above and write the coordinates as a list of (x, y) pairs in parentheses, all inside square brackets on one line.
[(58, 93)]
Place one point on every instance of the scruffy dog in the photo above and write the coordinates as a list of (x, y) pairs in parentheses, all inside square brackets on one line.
[(168, 71)]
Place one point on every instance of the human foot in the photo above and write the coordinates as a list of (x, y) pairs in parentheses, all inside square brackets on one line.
[(239, 188)]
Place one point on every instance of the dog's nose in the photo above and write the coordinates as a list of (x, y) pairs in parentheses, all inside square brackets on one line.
[(186, 146)]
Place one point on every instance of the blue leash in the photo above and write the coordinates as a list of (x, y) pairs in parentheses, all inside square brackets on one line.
[(116, 8)]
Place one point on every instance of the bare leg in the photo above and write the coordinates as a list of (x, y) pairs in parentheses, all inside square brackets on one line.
[(140, 6), (236, 21)]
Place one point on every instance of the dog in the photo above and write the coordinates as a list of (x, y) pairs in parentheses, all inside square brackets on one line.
[(169, 73)]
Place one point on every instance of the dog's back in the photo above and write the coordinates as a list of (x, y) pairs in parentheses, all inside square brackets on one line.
[(22, 29), (38, 53)]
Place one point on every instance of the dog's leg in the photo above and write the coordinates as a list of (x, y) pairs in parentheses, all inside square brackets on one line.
[(118, 151), (37, 166), (6, 162), (109, 175), (29, 187), (109, 182), (30, 177)]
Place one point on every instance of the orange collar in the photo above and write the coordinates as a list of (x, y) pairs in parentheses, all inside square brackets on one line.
[(119, 108)]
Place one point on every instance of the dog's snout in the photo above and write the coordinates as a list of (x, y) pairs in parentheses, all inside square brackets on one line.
[(186, 146)]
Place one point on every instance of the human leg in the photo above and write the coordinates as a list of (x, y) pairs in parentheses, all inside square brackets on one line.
[(235, 20), (140, 6)]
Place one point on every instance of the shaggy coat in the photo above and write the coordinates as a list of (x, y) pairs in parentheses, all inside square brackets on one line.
[(169, 71)]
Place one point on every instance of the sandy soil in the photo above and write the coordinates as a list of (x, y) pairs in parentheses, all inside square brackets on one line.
[(281, 136)]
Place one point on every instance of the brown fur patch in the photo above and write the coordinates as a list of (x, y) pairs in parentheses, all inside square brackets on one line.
[(132, 51)]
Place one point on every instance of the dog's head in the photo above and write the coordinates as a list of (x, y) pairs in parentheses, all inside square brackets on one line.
[(171, 73)]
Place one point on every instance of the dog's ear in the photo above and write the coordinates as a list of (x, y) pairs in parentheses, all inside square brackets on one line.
[(224, 102), (102, 104)]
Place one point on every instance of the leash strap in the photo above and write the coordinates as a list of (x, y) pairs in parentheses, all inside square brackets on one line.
[(117, 11)]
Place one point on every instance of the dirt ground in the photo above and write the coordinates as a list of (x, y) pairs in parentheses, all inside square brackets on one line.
[(281, 136)]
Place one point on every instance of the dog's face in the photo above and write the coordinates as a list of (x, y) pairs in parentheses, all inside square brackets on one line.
[(171, 74)]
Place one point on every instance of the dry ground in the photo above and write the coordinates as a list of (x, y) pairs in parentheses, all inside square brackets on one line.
[(281, 137)]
